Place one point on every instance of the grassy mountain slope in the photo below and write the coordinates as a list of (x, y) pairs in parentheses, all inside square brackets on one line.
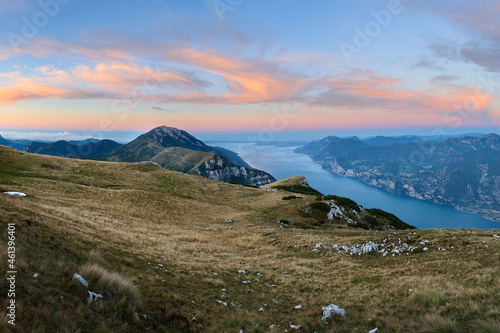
[(291, 181), (115, 223), (181, 159), (335, 209), (231, 156)]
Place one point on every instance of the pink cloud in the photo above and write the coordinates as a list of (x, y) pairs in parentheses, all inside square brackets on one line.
[(207, 76), (362, 89), (119, 75)]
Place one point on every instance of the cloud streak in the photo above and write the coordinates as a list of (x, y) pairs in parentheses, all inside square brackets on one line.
[(42, 136), (161, 109), (479, 20), (187, 74)]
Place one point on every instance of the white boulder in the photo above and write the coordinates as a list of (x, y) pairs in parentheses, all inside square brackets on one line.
[(82, 280), (369, 247), (331, 310), (93, 297), (145, 163), (19, 194)]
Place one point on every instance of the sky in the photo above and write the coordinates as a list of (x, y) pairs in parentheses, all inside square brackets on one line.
[(75, 68)]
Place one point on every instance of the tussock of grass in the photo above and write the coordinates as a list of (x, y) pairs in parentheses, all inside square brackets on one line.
[(111, 285), (438, 324), (489, 326), (430, 298), (95, 257)]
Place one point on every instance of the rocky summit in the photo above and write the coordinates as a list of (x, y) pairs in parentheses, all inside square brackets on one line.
[(174, 137)]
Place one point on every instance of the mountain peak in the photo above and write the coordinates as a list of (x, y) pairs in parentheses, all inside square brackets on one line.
[(174, 137), (165, 129)]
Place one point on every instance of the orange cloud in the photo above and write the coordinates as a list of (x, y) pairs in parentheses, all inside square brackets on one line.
[(368, 90), (190, 75), (247, 82), (33, 91), (12, 95), (119, 75)]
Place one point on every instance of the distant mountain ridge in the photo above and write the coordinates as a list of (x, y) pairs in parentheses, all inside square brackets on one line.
[(178, 150), (4, 142), (82, 142), (463, 172), (67, 149), (172, 148), (17, 144)]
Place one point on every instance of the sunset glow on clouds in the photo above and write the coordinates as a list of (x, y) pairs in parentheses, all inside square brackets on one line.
[(134, 65)]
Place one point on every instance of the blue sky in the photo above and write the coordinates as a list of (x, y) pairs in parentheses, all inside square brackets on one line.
[(226, 66)]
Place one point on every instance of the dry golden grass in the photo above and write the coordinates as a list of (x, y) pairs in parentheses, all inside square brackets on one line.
[(297, 180), (111, 285), (141, 217)]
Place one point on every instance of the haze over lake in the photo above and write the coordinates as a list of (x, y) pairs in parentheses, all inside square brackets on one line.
[(282, 162)]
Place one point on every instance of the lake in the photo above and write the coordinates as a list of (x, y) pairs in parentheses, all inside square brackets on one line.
[(282, 162)]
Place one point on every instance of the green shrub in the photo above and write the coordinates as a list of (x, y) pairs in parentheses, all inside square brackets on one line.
[(290, 197), (298, 189), (393, 219), (361, 225), (321, 206), (344, 202), (371, 220)]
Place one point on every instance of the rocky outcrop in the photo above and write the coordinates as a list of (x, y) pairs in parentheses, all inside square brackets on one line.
[(218, 168), (332, 310)]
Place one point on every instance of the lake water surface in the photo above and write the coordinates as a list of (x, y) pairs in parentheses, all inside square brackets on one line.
[(282, 162)]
